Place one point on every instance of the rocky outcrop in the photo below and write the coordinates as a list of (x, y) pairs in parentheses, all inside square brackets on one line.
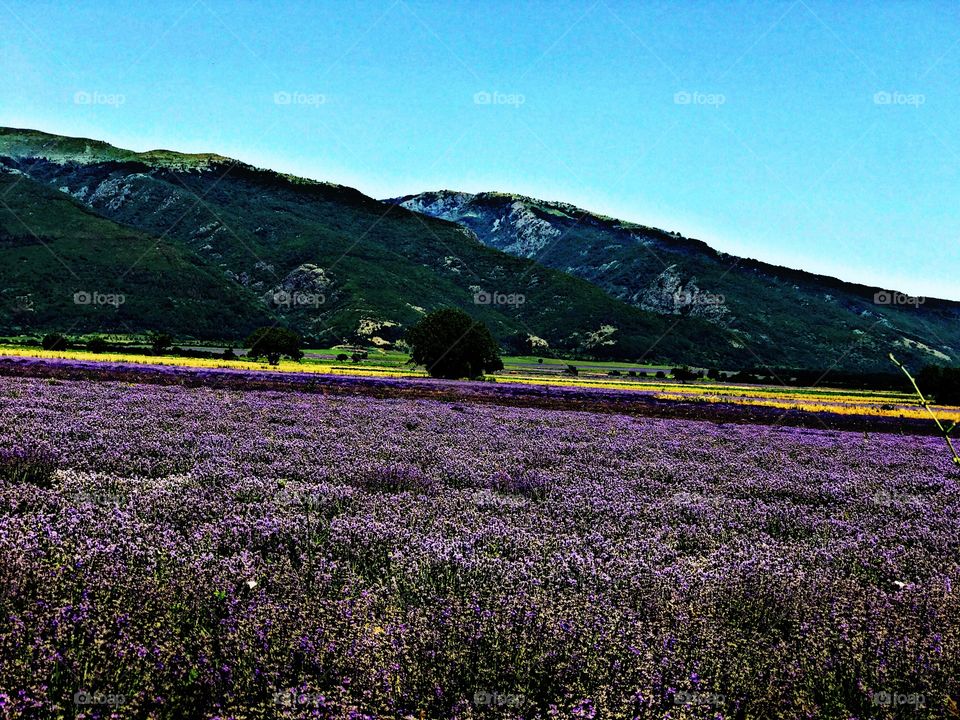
[(668, 294)]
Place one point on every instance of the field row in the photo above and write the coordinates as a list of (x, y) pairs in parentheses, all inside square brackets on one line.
[(168, 551), (880, 410)]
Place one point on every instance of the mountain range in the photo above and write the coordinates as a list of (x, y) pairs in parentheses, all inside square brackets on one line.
[(785, 317), (94, 238)]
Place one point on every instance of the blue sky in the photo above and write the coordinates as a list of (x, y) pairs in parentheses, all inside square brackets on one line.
[(813, 134)]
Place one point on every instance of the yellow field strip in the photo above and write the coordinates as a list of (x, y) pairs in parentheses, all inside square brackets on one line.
[(875, 403)]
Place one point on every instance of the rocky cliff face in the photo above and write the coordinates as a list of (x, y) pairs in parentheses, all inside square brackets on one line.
[(770, 311), (535, 229)]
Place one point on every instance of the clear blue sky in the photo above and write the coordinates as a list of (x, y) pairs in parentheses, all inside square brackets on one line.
[(783, 151)]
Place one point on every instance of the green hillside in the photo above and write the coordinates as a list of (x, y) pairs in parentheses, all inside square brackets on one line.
[(64, 268), (362, 268)]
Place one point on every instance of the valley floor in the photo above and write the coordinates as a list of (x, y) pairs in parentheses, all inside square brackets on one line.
[(521, 383)]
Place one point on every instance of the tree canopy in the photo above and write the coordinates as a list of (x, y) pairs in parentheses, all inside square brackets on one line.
[(274, 343), (451, 344)]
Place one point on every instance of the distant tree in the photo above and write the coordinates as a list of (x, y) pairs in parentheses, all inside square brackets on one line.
[(661, 374), (274, 343), (518, 344), (97, 345), (571, 370), (632, 373), (450, 344), (539, 361), (614, 373), (683, 374), (54, 341), (342, 357), (940, 383), (160, 342), (229, 354), (713, 374)]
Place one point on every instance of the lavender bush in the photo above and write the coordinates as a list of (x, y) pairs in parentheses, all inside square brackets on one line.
[(216, 553)]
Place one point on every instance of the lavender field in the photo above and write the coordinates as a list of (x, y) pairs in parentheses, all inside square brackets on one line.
[(173, 552)]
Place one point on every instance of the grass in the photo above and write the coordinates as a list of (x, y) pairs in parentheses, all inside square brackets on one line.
[(523, 360)]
